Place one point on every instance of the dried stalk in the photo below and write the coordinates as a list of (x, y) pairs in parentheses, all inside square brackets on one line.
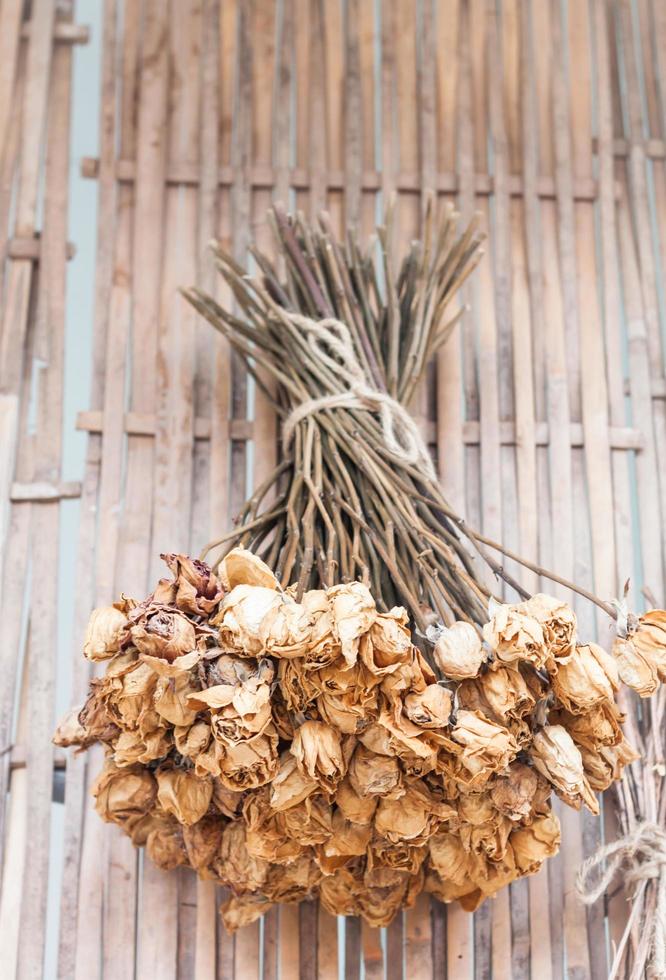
[(341, 505)]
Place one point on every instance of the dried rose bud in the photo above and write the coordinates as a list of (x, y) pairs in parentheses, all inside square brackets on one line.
[(533, 844), (249, 764), (347, 840), (431, 708), (354, 612), (202, 841), (70, 731), (588, 678), (512, 794), (373, 775), (502, 695), (243, 910), (124, 796), (558, 622), (163, 635), (349, 697), (195, 588), (290, 786), (318, 753), (556, 757), (486, 747), (387, 644), (641, 655), (415, 816), (358, 809), (605, 764), (165, 846), (514, 636), (458, 651), (234, 865), (105, 632), (183, 794)]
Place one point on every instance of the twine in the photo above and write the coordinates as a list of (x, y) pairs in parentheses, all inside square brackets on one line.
[(643, 852), (399, 430)]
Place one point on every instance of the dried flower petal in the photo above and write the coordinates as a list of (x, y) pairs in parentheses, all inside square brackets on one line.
[(589, 677), (183, 794), (515, 636), (556, 756)]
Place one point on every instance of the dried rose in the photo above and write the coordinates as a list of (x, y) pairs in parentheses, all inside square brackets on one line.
[(354, 612), (458, 651), (165, 845), (170, 698), (486, 747), (415, 816), (641, 655), (373, 775), (347, 840), (339, 893), (400, 856), (106, 630), (183, 794), (290, 786), (243, 910), (124, 796), (604, 765), (356, 808), (234, 865), (516, 636), (318, 753), (502, 695), (203, 840), (533, 844), (513, 793), (349, 697), (387, 644), (70, 731), (195, 588), (558, 622), (294, 881), (555, 755), (240, 706), (430, 708), (162, 634), (589, 677), (249, 764), (298, 687)]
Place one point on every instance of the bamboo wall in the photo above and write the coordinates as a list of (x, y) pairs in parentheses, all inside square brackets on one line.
[(546, 412)]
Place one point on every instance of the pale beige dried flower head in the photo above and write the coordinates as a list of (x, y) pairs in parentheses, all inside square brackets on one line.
[(558, 622), (588, 678), (514, 635), (458, 651), (556, 757), (318, 753), (641, 655), (183, 794), (106, 630)]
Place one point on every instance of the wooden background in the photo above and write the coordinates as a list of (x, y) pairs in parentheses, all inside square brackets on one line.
[(546, 412)]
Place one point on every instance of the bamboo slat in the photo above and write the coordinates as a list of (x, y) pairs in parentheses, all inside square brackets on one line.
[(547, 409)]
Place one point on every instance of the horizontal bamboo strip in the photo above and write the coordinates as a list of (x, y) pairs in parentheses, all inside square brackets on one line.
[(142, 424), (335, 180)]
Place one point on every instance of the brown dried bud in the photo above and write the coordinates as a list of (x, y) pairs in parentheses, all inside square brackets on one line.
[(515, 635), (106, 630), (430, 708), (162, 634), (183, 794), (458, 651), (373, 775), (589, 677), (533, 844), (641, 655), (318, 753), (556, 756), (512, 794), (124, 796), (558, 622), (486, 747), (195, 588)]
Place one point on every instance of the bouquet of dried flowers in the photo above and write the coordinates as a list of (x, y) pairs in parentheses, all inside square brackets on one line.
[(339, 706)]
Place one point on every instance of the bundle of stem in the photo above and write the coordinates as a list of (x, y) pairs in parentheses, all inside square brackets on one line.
[(341, 504)]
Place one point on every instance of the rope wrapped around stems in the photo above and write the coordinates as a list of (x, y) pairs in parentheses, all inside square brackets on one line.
[(401, 435), (642, 854)]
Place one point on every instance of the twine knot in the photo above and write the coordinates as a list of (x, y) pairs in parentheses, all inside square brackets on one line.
[(642, 854), (331, 341)]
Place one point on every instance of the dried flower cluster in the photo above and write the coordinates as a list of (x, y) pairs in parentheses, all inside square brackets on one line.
[(296, 748)]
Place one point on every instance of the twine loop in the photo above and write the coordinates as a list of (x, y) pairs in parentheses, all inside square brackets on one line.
[(642, 855), (331, 341)]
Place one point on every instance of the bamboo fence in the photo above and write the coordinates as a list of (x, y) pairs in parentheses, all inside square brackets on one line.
[(546, 412)]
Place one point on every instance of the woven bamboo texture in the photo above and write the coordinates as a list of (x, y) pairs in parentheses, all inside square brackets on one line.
[(546, 412)]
